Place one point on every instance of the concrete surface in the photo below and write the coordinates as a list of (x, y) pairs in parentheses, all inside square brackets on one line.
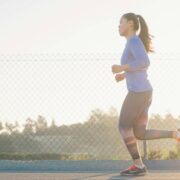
[(82, 165), (152, 175), (85, 169)]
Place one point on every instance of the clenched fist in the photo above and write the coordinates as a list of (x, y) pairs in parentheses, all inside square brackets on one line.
[(119, 77)]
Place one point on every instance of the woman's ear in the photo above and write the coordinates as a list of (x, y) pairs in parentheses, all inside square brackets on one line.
[(130, 23)]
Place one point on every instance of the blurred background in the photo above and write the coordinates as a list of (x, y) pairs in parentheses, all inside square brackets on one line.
[(58, 96)]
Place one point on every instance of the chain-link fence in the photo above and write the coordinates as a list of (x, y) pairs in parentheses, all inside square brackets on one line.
[(66, 106)]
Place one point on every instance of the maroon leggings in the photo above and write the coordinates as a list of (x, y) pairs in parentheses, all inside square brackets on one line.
[(133, 121)]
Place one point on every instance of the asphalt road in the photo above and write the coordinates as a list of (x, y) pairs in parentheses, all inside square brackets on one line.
[(152, 175)]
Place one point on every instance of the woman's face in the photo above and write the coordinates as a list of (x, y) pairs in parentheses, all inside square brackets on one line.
[(124, 26)]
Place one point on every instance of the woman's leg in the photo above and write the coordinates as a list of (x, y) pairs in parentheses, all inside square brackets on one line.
[(142, 133), (130, 141), (126, 118), (133, 121)]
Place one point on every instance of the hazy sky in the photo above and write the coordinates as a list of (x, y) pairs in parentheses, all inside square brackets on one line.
[(59, 42)]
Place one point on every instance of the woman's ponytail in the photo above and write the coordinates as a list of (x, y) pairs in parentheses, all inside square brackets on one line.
[(144, 35)]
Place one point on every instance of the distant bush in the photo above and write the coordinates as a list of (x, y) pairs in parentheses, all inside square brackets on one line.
[(46, 156), (154, 154)]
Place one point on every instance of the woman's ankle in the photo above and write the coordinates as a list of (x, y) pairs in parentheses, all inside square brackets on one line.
[(138, 162)]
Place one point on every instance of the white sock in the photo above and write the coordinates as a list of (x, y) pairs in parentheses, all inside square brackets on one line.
[(139, 166)]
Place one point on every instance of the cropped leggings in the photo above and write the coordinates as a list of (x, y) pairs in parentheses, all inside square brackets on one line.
[(133, 121)]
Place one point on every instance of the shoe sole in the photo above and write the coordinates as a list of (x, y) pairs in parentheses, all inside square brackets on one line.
[(140, 174)]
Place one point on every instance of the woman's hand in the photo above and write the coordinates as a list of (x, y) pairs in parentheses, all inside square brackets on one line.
[(119, 68), (119, 77), (116, 68)]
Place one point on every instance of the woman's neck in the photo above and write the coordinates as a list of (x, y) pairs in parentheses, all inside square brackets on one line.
[(131, 34)]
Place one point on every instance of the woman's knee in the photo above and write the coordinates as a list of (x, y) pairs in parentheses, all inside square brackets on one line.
[(125, 131), (139, 133)]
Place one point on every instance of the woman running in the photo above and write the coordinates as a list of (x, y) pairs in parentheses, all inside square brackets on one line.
[(133, 117)]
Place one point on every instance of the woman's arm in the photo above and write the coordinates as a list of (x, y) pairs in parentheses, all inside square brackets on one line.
[(140, 58), (119, 68)]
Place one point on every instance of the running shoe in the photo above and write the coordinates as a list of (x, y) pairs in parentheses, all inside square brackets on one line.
[(133, 170)]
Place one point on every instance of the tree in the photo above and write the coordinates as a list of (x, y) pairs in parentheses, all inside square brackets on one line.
[(29, 126), (10, 127), (41, 125)]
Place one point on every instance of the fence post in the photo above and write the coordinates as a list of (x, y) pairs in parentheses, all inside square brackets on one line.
[(145, 149)]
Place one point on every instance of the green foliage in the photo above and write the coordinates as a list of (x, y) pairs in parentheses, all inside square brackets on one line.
[(96, 138), (154, 154)]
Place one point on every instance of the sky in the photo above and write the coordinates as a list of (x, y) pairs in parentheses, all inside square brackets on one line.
[(56, 57)]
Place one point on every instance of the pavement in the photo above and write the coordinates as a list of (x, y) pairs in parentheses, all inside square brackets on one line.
[(152, 175), (85, 169)]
